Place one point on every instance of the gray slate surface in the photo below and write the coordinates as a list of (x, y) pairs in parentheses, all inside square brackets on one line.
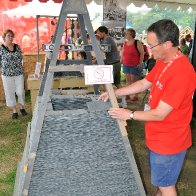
[(81, 154)]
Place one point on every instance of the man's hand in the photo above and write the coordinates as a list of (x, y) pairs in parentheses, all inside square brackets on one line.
[(104, 97), (120, 113)]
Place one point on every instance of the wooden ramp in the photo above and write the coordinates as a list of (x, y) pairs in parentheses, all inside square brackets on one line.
[(81, 152), (73, 147)]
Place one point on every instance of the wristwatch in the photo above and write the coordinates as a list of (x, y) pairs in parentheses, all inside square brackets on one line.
[(132, 115)]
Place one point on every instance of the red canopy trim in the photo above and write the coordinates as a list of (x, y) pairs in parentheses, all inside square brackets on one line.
[(42, 1), (58, 1)]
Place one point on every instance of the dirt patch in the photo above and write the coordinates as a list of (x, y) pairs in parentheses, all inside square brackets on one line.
[(5, 111), (3, 187), (4, 142), (190, 164), (6, 168)]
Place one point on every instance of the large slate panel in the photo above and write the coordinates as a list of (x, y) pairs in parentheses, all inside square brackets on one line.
[(82, 155)]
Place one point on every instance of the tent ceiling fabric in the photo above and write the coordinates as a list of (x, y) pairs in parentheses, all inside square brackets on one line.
[(184, 4), (174, 4)]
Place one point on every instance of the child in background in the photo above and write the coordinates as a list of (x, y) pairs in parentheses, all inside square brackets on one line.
[(81, 55)]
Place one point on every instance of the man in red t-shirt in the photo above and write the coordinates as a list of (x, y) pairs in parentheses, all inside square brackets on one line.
[(172, 84)]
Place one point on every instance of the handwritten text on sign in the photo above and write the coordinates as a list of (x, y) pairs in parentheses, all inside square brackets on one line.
[(98, 74)]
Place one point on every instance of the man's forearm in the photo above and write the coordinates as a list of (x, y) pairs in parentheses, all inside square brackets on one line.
[(137, 87)]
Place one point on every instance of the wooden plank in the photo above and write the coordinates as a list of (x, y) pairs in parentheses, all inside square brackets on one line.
[(28, 174), (64, 82), (34, 94), (122, 124), (63, 68), (17, 181), (134, 165), (20, 166)]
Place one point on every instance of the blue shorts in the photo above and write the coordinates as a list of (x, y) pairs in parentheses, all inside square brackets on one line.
[(131, 70), (165, 169)]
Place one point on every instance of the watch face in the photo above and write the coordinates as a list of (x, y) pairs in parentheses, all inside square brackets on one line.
[(131, 115)]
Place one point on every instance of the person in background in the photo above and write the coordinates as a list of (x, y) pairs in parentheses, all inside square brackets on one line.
[(191, 54), (150, 63), (190, 42), (97, 37), (12, 73), (183, 47), (112, 57), (167, 127), (81, 55), (132, 58), (98, 43), (146, 58)]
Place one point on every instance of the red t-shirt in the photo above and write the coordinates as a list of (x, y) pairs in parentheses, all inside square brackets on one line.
[(130, 55), (175, 87)]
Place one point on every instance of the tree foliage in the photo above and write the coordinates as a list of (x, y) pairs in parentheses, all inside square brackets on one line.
[(141, 21)]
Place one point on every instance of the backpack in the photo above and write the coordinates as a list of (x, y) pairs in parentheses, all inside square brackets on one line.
[(150, 64), (146, 54)]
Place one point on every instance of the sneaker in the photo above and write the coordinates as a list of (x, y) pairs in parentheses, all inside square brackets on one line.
[(14, 115), (122, 105), (23, 112)]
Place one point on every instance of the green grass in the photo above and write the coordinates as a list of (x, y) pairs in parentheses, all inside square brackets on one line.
[(8, 183), (13, 137), (12, 140)]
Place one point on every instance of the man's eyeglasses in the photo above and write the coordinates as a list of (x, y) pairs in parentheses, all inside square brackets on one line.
[(150, 47)]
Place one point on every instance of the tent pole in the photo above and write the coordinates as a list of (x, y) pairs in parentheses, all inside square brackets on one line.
[(193, 59), (37, 27)]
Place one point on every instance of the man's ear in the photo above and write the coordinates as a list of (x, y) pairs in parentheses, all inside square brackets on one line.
[(168, 44)]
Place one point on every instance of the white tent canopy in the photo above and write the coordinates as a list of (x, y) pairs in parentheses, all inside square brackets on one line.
[(53, 9), (184, 4), (46, 9), (174, 4), (35, 8)]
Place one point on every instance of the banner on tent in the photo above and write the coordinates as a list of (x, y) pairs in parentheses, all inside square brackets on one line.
[(114, 18)]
